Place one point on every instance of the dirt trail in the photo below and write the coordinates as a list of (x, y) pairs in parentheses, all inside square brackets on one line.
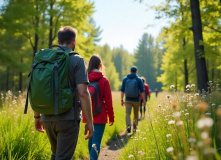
[(113, 148)]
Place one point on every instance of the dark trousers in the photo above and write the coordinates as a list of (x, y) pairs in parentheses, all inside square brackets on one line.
[(63, 136), (142, 108)]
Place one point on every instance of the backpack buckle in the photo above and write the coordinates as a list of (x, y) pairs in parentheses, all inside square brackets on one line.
[(56, 66)]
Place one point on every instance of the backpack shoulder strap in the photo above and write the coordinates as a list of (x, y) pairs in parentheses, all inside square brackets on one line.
[(72, 52)]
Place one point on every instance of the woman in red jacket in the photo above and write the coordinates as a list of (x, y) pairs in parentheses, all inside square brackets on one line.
[(95, 74), (147, 91)]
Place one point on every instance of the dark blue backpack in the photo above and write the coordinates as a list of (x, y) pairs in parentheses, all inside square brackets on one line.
[(131, 88)]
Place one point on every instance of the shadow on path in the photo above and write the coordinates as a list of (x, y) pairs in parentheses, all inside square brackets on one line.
[(113, 148)]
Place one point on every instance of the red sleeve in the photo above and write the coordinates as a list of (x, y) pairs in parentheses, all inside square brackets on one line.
[(108, 100), (147, 90)]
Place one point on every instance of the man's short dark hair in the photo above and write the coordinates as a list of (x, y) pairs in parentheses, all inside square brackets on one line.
[(133, 69), (66, 34)]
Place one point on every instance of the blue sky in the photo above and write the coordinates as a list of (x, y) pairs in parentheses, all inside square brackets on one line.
[(125, 21)]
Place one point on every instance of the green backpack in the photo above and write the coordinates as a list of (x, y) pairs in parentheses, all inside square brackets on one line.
[(48, 88)]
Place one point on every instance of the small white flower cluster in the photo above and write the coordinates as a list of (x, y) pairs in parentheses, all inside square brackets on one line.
[(170, 149), (131, 156), (204, 122), (171, 122), (172, 86)]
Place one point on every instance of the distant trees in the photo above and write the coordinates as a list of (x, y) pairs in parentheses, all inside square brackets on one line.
[(147, 59)]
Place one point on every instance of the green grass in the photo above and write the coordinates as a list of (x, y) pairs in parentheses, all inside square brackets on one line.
[(20, 141), (152, 142)]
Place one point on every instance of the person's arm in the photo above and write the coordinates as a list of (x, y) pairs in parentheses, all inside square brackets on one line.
[(122, 99), (84, 97), (122, 93), (148, 91), (142, 90), (39, 126), (108, 102)]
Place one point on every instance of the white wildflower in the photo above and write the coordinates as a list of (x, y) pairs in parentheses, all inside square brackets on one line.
[(188, 86), (186, 114), (131, 156), (170, 149), (168, 135), (176, 114), (172, 86), (168, 96), (93, 145), (205, 122), (208, 114), (180, 123), (171, 122), (192, 85), (144, 138)]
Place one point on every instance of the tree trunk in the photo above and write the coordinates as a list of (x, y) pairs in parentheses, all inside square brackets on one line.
[(185, 66), (50, 24), (201, 70), (7, 79), (35, 48), (20, 78), (13, 83)]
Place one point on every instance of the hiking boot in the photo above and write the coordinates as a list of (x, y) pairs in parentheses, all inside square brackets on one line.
[(128, 129)]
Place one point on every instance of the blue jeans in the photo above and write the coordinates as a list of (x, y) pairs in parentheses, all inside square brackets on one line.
[(96, 141)]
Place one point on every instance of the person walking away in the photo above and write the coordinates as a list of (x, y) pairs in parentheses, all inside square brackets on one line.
[(147, 94), (63, 128), (132, 86), (102, 107), (156, 92)]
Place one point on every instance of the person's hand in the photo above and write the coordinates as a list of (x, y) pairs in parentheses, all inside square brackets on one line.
[(122, 103), (89, 127), (111, 123), (39, 126)]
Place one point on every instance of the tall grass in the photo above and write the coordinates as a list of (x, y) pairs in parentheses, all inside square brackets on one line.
[(186, 126), (20, 141)]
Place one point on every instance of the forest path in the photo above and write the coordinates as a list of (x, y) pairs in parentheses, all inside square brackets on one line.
[(112, 150)]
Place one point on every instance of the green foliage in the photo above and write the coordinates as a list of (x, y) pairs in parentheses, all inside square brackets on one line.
[(147, 59), (111, 73), (175, 129), (122, 61), (27, 26), (177, 50), (20, 141)]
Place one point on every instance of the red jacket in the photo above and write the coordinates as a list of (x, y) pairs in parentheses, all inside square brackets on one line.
[(146, 90), (105, 91)]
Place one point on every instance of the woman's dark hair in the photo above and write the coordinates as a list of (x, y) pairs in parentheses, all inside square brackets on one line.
[(94, 63)]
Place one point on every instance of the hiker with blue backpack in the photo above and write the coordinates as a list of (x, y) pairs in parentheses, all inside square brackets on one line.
[(57, 80), (102, 107), (132, 86)]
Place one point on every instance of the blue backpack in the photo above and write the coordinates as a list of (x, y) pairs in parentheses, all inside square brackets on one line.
[(131, 88)]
